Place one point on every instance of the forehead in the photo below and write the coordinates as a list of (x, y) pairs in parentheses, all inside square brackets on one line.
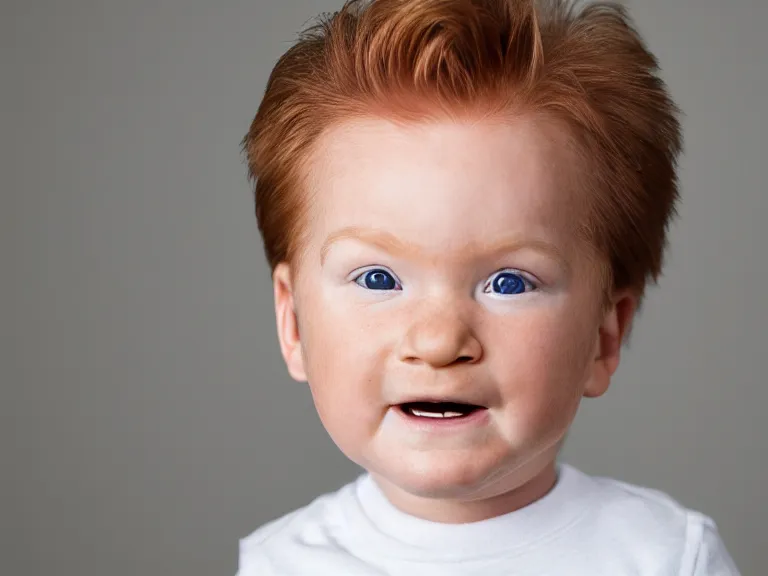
[(445, 184)]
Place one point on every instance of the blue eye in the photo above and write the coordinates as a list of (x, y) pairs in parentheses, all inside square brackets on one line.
[(509, 283), (376, 279)]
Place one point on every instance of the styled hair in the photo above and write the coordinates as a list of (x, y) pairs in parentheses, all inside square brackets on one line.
[(410, 60)]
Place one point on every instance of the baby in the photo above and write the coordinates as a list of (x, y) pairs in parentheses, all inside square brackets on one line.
[(462, 202)]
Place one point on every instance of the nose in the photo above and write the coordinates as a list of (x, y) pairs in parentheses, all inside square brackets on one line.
[(439, 336)]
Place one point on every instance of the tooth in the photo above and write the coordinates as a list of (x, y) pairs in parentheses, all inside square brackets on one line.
[(427, 414), (436, 414)]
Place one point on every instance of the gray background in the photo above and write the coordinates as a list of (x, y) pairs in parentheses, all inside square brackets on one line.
[(146, 419)]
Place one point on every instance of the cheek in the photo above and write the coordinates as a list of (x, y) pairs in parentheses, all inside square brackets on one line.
[(344, 342), (542, 374), (343, 393), (343, 365), (340, 348)]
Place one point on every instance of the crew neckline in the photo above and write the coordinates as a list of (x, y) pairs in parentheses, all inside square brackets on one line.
[(380, 526)]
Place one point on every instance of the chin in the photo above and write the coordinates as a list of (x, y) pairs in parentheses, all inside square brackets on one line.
[(464, 476), (443, 475)]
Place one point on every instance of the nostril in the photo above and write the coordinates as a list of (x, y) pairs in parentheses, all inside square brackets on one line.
[(464, 359)]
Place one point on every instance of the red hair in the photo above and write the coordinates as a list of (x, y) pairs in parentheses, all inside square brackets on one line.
[(414, 59)]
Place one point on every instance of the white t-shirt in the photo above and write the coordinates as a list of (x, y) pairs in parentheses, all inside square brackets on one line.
[(584, 526)]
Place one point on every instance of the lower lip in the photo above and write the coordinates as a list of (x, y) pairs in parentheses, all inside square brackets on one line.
[(474, 419)]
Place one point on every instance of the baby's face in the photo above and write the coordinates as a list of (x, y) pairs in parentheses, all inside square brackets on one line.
[(442, 265)]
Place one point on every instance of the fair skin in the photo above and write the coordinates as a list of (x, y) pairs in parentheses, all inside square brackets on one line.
[(441, 263)]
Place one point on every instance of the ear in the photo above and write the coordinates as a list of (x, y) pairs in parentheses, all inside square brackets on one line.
[(615, 325), (287, 322)]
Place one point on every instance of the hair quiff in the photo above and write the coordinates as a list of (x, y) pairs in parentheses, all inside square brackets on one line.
[(408, 60)]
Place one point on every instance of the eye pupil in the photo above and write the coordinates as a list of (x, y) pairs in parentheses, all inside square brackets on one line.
[(379, 280), (508, 283)]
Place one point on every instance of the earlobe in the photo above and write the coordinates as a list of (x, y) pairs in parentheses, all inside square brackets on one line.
[(613, 329), (287, 322)]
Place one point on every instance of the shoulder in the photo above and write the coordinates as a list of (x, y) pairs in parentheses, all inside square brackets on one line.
[(649, 509), (655, 529), (706, 554), (281, 545)]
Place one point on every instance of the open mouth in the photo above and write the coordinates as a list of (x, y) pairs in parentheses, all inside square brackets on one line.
[(439, 410)]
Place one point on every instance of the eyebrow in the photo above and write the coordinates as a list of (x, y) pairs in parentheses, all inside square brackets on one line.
[(395, 246)]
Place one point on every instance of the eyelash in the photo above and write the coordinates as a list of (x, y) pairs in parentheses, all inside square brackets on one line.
[(530, 285)]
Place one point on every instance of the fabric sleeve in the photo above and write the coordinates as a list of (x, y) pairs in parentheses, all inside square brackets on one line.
[(706, 554)]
